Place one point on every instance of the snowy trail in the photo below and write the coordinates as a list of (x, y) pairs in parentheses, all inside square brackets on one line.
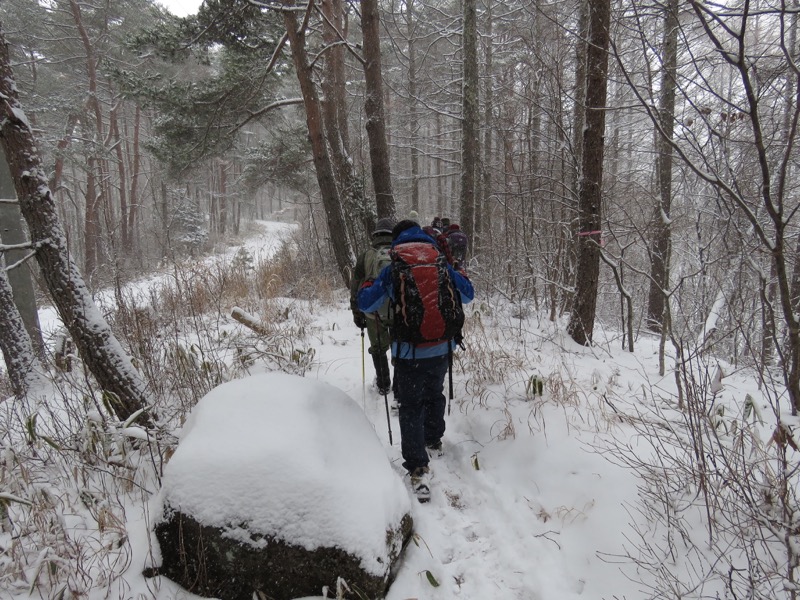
[(483, 540), (510, 529), (480, 536)]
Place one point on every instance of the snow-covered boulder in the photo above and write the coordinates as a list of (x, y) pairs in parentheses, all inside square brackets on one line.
[(280, 485)]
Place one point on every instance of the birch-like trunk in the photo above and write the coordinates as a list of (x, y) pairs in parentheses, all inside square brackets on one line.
[(99, 348)]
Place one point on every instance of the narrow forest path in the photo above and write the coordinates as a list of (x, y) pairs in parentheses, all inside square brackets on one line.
[(511, 516)]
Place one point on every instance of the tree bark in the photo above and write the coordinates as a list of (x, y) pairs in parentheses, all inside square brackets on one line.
[(97, 182), (18, 353), (135, 168), (322, 162), (20, 278), (581, 325), (98, 347), (125, 236), (91, 222), (413, 119), (360, 222), (661, 242), (483, 217), (469, 119), (373, 107)]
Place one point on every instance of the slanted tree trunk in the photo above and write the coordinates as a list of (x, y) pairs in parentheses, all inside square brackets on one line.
[(98, 347), (581, 324), (322, 162), (20, 357), (373, 107)]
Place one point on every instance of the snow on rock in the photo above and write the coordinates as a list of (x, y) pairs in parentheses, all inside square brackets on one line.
[(294, 459)]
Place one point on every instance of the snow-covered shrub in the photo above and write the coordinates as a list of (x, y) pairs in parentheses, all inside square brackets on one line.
[(718, 508), (68, 471)]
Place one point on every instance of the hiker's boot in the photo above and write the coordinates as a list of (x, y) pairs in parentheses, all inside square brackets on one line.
[(435, 449), (420, 484)]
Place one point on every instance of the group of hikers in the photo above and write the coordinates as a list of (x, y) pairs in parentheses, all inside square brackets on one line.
[(408, 292)]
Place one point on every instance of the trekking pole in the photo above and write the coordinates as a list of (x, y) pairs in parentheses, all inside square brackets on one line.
[(450, 373), (386, 393), (363, 375)]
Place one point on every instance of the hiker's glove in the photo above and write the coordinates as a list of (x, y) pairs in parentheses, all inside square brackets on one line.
[(367, 283), (360, 319)]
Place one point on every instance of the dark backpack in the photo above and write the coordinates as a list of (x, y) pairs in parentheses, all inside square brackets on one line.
[(457, 242), (427, 305)]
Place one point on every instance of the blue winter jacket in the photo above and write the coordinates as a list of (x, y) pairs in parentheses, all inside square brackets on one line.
[(371, 298)]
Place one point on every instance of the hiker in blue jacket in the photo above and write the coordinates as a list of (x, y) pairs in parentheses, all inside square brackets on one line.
[(419, 369)]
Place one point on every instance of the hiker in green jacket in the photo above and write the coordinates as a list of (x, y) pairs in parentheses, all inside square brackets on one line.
[(368, 266)]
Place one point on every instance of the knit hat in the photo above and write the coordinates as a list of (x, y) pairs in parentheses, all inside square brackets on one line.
[(414, 216), (402, 226), (445, 222), (384, 225)]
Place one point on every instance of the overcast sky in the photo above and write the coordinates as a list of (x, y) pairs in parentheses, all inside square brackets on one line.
[(181, 7)]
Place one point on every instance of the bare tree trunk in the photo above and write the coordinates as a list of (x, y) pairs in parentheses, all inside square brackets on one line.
[(55, 180), (12, 233), (125, 236), (223, 197), (438, 170), (581, 324), (359, 221), (322, 162), (579, 125), (20, 357), (413, 119), (96, 343), (469, 119), (483, 217), (660, 243), (135, 168), (91, 222), (373, 107), (96, 194), (579, 107)]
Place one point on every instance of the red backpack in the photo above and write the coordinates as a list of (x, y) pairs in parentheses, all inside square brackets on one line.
[(427, 305)]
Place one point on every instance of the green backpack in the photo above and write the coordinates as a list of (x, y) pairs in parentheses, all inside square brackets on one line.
[(374, 262)]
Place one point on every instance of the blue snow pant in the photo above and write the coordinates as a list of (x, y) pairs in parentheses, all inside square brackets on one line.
[(420, 393)]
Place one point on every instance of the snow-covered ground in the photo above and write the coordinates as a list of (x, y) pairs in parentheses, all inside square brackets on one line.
[(260, 246), (525, 503)]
